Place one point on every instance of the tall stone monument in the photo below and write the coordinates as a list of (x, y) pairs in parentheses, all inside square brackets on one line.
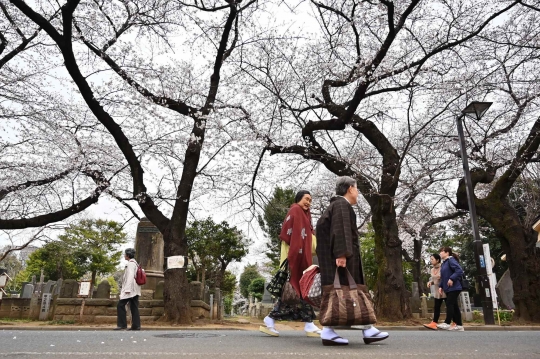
[(149, 252)]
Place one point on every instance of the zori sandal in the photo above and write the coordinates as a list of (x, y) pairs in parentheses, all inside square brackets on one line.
[(314, 334), (335, 341), (376, 338), (268, 330)]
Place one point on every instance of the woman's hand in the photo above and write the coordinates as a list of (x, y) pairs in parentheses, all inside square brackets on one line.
[(450, 283), (440, 291), (341, 261), (428, 284)]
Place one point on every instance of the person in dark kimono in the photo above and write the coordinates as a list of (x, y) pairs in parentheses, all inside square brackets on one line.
[(338, 246), (296, 238)]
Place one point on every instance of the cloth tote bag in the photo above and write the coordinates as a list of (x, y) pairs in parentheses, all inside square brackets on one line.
[(345, 305)]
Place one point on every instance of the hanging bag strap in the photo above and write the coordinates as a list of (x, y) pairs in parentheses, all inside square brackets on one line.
[(337, 284)]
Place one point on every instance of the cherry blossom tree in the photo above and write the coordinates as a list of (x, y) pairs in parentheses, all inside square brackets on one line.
[(359, 93), (503, 148), (148, 75)]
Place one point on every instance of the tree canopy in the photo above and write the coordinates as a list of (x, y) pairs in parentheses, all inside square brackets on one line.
[(213, 246), (250, 273), (89, 246)]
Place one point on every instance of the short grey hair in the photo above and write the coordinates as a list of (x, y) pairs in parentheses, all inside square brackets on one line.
[(130, 252), (343, 184)]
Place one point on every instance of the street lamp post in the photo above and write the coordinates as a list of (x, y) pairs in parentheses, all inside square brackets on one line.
[(478, 109)]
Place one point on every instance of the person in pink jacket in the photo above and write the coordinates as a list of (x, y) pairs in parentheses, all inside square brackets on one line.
[(129, 293)]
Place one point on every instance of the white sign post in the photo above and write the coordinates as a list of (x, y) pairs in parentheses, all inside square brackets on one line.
[(491, 275), (45, 306), (465, 302), (492, 279), (84, 292)]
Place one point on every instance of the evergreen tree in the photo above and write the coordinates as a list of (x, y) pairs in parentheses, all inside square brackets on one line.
[(250, 273), (274, 213), (88, 246)]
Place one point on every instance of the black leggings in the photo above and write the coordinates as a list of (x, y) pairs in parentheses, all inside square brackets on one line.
[(452, 309), (437, 309)]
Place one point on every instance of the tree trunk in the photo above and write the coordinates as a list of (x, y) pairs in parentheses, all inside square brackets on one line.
[(221, 274), (176, 290), (391, 302), (417, 266), (92, 284), (203, 281), (521, 254)]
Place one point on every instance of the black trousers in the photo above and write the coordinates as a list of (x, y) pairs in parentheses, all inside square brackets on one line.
[(452, 309), (437, 309), (121, 320)]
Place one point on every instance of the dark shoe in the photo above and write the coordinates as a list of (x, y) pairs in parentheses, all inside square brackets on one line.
[(120, 328), (376, 338), (335, 341), (134, 329)]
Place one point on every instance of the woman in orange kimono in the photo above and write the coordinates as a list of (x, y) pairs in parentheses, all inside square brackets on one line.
[(297, 233)]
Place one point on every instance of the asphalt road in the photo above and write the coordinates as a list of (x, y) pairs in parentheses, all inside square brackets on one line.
[(251, 344)]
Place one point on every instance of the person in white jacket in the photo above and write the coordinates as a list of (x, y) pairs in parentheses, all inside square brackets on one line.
[(130, 293)]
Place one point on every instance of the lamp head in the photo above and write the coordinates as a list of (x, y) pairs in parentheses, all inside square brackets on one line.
[(477, 108)]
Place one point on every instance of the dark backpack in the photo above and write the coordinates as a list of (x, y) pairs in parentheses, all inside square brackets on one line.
[(464, 283), (140, 275)]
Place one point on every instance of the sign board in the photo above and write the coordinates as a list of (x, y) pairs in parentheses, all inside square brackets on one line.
[(482, 261), (84, 289), (176, 262), (45, 306), (3, 280), (491, 276)]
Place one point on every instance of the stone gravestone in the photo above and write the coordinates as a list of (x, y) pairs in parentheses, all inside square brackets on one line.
[(159, 290), (58, 286), (267, 297), (69, 289), (149, 252), (465, 304), (48, 287), (23, 284), (45, 305), (34, 305), (206, 295), (28, 291), (196, 289), (103, 290), (53, 289)]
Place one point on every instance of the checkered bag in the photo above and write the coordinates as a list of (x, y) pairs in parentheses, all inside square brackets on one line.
[(310, 285)]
